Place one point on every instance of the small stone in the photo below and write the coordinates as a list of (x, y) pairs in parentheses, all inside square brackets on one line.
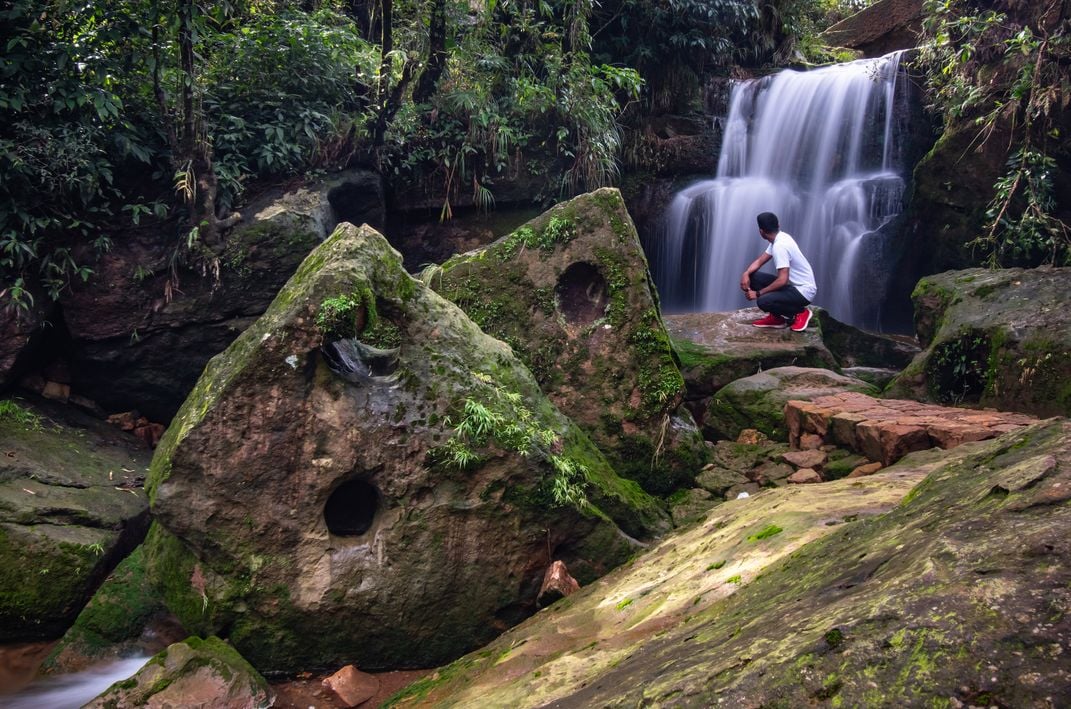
[(752, 437), (352, 686), (804, 476), (56, 391), (865, 469), (557, 583), (126, 421), (806, 459), (810, 441)]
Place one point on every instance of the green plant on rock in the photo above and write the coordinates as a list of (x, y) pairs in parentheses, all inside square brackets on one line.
[(1021, 100), (957, 370), (347, 315), (19, 415), (502, 419)]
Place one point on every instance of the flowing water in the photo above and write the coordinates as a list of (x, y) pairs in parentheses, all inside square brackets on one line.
[(70, 691), (821, 150)]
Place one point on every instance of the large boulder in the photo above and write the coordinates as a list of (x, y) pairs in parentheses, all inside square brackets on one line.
[(139, 340), (993, 338), (759, 401), (957, 596), (193, 673), (390, 500), (571, 294), (70, 508)]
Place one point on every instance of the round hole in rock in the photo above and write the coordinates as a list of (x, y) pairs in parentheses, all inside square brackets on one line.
[(350, 509), (582, 293)]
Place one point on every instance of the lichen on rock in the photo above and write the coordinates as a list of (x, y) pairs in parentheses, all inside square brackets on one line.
[(957, 595), (322, 500)]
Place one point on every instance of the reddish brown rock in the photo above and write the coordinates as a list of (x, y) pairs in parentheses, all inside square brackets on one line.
[(352, 686), (811, 441), (888, 442), (866, 469), (805, 476), (557, 583), (806, 458)]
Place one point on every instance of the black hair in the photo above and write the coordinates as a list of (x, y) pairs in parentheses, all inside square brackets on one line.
[(768, 222)]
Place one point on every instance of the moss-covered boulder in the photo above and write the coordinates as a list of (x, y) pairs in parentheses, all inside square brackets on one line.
[(993, 338), (957, 596), (193, 673), (571, 294), (70, 508), (144, 326), (365, 476), (759, 401), (115, 621)]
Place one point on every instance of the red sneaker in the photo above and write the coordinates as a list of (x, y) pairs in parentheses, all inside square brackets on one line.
[(802, 320), (771, 320)]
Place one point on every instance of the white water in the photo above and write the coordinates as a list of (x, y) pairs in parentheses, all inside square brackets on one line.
[(817, 148), (71, 691)]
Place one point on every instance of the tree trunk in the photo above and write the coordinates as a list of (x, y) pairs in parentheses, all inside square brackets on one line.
[(194, 153), (436, 62)]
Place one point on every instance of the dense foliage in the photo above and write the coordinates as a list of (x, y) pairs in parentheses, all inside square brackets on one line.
[(1020, 105), (159, 113)]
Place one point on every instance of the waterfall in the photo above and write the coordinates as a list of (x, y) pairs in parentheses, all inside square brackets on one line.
[(819, 149)]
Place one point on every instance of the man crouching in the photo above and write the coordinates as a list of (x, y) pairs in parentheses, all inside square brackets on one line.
[(783, 297)]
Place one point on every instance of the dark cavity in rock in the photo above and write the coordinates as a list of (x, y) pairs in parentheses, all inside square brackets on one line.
[(582, 294), (351, 508), (359, 363)]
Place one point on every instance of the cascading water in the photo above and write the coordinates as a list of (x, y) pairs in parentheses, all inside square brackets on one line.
[(819, 149)]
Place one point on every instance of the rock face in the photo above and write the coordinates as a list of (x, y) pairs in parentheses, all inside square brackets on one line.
[(389, 500), (130, 348), (571, 294), (759, 401), (993, 338), (193, 673), (882, 27), (70, 508), (717, 348), (16, 329), (959, 594)]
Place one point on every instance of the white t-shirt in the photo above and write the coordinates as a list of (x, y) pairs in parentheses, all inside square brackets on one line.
[(786, 254)]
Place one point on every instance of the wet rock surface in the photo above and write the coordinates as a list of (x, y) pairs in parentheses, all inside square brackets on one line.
[(571, 294), (193, 673), (999, 339), (71, 506), (960, 593), (364, 476)]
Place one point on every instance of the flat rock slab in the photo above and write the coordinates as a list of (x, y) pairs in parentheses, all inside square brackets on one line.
[(885, 430), (717, 348), (958, 594), (578, 639), (71, 506)]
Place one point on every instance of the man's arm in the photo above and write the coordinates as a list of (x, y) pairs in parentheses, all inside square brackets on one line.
[(745, 280), (779, 282)]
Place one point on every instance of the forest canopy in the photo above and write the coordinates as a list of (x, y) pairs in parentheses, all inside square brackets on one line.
[(161, 113)]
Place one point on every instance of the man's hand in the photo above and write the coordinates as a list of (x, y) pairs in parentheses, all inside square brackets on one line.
[(751, 294), (745, 282)]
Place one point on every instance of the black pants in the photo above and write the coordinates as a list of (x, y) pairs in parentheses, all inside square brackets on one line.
[(785, 301)]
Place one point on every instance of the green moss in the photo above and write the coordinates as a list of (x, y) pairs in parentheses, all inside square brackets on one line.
[(11, 411), (766, 532)]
